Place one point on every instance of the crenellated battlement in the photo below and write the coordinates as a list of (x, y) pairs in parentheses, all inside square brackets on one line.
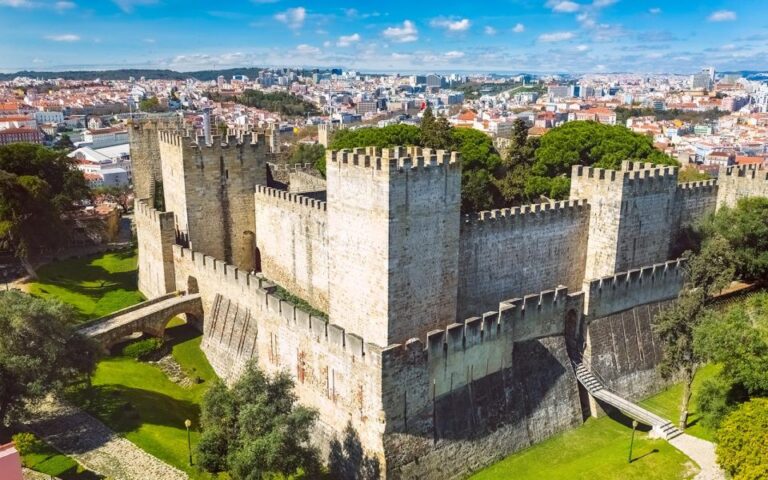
[(534, 212), (163, 218), (699, 187), (293, 168), (614, 293), (285, 196), (255, 140), (261, 293), (395, 159), (744, 171), (629, 173)]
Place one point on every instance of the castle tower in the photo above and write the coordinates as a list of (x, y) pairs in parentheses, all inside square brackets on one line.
[(632, 215), (740, 182), (210, 189), (273, 137), (145, 154), (324, 134), (393, 222)]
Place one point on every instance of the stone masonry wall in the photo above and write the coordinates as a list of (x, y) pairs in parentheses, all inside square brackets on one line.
[(695, 200), (145, 155), (479, 390), (507, 253), (393, 223), (620, 344), (155, 235), (740, 182), (336, 372), (292, 238)]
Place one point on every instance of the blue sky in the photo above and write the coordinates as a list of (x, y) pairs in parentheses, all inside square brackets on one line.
[(572, 36)]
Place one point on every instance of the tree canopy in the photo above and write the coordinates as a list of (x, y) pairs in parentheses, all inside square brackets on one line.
[(40, 352), (284, 103), (308, 153), (256, 428), (37, 185), (742, 441)]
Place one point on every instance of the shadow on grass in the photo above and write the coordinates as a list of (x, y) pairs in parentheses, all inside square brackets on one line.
[(619, 417), (635, 459), (126, 409)]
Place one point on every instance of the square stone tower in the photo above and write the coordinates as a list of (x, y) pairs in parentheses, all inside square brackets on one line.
[(632, 215), (393, 222), (210, 190)]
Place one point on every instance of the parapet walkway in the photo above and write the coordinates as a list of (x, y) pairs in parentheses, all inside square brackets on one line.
[(149, 317), (661, 426)]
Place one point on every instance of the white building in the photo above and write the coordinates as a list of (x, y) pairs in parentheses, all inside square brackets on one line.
[(49, 117)]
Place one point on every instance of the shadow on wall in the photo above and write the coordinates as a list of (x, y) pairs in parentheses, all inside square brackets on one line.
[(347, 461)]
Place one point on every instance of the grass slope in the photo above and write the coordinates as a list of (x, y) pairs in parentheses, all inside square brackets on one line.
[(50, 462), (139, 401), (95, 286)]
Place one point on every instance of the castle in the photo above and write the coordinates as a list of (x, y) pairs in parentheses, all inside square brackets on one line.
[(447, 339)]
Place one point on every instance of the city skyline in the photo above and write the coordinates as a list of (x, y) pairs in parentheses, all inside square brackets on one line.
[(523, 35)]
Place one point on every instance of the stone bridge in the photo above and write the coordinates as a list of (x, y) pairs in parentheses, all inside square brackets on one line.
[(149, 317)]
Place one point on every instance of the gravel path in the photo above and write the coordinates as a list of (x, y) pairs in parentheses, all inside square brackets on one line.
[(701, 452), (95, 446)]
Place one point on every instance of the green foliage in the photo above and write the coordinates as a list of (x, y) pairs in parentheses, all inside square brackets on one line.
[(256, 428), (64, 143), (27, 443), (435, 132), (742, 440), (151, 105), (389, 136), (309, 153), (691, 174), (745, 228), (284, 103), (588, 144), (143, 349), (299, 302), (40, 353), (480, 166)]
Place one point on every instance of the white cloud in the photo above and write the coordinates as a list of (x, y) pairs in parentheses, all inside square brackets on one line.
[(603, 3), (347, 40), (327, 43), (452, 55), (293, 17), (582, 48), (451, 25), (556, 37), (305, 49), (15, 3), (149, 40), (722, 16), (518, 28), (128, 5), (63, 5), (654, 11), (404, 34), (489, 30), (563, 6), (67, 37)]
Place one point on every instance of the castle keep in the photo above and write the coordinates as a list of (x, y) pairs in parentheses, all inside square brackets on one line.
[(447, 339)]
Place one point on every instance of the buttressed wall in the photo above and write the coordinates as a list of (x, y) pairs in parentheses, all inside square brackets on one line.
[(210, 190), (393, 226)]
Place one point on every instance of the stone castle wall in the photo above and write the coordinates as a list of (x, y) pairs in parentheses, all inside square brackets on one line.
[(393, 223), (695, 200), (212, 186), (155, 232), (145, 155), (740, 182), (292, 238), (336, 372), (511, 252)]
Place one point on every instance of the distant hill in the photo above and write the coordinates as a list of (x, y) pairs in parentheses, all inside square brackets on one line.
[(124, 74)]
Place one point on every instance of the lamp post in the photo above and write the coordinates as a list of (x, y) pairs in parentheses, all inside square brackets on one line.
[(188, 423), (634, 427)]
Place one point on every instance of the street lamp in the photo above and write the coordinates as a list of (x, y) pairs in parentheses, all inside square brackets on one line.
[(188, 423), (634, 427)]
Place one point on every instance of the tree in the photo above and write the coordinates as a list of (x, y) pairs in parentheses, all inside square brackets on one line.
[(691, 174), (118, 194), (40, 352), (742, 441), (37, 186), (435, 132), (64, 143), (151, 104), (307, 153), (256, 428)]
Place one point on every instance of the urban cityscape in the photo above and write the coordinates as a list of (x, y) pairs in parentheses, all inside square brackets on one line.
[(271, 239)]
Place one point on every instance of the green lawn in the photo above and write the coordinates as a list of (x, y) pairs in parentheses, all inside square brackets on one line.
[(95, 286), (137, 400), (667, 404), (49, 461), (599, 448)]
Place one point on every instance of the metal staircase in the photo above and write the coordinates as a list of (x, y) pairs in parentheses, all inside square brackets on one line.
[(661, 427)]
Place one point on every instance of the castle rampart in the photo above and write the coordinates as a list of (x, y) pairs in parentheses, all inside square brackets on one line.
[(510, 252), (741, 182), (145, 154), (292, 242), (156, 235)]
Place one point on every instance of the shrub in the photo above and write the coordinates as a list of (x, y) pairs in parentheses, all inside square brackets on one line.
[(144, 349), (742, 439), (27, 443)]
